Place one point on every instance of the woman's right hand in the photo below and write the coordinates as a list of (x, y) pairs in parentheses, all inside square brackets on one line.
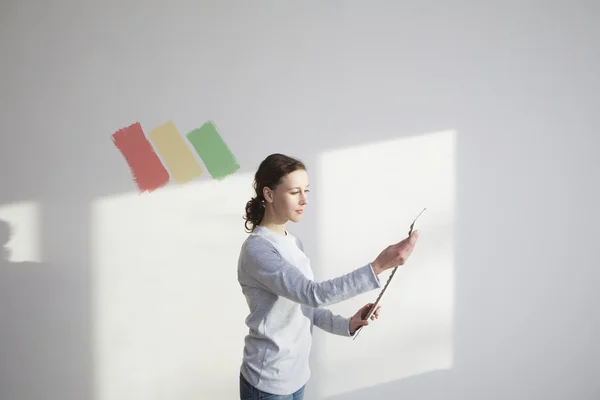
[(395, 254)]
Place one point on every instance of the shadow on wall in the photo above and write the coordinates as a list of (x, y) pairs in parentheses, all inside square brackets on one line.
[(44, 349), (436, 385)]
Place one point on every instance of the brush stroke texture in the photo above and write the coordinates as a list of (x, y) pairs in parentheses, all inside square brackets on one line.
[(148, 172), (176, 155), (213, 150)]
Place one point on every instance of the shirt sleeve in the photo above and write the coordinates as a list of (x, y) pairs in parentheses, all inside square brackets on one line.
[(270, 271), (328, 321)]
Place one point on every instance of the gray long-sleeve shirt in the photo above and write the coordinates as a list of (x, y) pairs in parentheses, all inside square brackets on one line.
[(285, 302)]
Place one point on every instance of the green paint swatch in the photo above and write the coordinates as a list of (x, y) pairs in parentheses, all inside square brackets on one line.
[(211, 148)]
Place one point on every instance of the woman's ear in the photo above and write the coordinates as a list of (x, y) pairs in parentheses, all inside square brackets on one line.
[(268, 194)]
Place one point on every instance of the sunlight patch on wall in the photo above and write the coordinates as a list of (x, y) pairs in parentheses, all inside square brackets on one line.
[(368, 196), (169, 313), (21, 221)]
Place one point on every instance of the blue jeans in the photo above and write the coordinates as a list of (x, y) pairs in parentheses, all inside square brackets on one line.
[(249, 392)]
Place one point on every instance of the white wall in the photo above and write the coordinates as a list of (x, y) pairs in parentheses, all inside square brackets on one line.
[(486, 114)]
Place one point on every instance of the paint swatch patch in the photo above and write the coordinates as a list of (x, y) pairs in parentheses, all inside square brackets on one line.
[(213, 150), (175, 153), (168, 155), (148, 172)]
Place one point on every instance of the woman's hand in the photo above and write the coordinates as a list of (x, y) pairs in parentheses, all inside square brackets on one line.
[(359, 320), (395, 254)]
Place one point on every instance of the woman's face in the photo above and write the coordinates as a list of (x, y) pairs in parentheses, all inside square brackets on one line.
[(290, 198)]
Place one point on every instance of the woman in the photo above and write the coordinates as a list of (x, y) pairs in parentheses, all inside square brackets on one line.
[(277, 281)]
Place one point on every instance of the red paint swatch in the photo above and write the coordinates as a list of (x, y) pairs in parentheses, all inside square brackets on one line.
[(146, 168)]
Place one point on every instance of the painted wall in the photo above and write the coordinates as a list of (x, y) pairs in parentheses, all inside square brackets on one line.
[(487, 115)]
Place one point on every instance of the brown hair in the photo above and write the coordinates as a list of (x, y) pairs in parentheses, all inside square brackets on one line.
[(269, 174)]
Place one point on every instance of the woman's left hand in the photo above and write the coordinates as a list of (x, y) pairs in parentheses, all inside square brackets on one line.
[(359, 320)]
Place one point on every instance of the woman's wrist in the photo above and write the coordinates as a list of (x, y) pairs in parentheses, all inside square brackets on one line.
[(377, 269), (351, 328)]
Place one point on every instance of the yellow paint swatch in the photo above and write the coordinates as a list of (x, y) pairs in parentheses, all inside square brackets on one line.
[(175, 154)]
